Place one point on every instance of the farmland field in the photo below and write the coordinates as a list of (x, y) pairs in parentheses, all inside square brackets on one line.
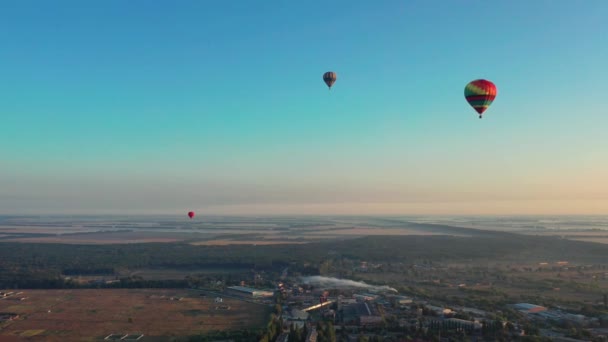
[(92, 314)]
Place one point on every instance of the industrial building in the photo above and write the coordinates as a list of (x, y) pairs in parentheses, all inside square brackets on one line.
[(249, 292), (461, 323), (361, 314)]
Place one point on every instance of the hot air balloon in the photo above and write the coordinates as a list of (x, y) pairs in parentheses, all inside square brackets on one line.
[(480, 94), (330, 78), (191, 214)]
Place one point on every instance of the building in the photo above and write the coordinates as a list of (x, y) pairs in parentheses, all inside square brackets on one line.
[(370, 320), (362, 314), (402, 300), (473, 311), (439, 310), (249, 292)]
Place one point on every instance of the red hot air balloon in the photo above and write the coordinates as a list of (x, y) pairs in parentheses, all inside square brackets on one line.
[(330, 78), (480, 94), (191, 214)]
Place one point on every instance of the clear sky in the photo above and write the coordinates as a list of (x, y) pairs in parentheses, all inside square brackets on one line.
[(218, 106)]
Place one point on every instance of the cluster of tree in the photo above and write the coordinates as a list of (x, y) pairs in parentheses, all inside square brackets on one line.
[(30, 260), (88, 271), (52, 281)]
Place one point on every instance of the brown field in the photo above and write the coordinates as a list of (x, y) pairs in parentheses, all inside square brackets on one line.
[(92, 314), (316, 234)]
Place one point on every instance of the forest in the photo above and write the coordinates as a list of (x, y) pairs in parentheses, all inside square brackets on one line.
[(41, 265)]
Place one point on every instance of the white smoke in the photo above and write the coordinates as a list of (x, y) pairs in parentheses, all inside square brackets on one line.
[(336, 283)]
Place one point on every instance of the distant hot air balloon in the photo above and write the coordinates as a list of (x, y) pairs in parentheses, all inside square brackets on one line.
[(480, 94), (191, 214), (330, 78)]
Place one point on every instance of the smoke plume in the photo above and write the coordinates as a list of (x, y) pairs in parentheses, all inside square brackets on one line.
[(336, 283)]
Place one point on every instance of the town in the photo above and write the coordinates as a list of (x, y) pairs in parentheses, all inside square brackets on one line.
[(318, 308)]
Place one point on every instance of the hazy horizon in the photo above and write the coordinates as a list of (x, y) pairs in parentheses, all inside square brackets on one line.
[(358, 209)]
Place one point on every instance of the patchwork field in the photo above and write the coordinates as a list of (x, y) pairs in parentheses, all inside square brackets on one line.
[(92, 314), (220, 231), (206, 232)]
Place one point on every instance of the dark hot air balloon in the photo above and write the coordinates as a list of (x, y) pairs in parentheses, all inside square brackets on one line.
[(191, 214), (480, 94), (330, 78)]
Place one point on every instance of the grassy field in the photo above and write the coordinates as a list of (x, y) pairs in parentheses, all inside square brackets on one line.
[(92, 314)]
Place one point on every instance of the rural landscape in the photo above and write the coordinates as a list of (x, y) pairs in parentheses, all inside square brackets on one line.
[(172, 279)]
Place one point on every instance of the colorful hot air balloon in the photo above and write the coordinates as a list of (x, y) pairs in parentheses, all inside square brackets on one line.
[(330, 78), (191, 214), (480, 94)]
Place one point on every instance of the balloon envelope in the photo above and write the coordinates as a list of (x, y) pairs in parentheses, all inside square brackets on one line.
[(191, 214), (330, 78), (480, 94)]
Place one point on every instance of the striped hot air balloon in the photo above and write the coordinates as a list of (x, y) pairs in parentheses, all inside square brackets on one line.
[(480, 94), (330, 78)]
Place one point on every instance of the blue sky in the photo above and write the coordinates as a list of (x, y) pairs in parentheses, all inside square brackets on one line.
[(219, 106)]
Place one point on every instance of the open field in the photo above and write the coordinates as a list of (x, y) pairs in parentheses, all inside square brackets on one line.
[(218, 231), (249, 242), (367, 231), (92, 314)]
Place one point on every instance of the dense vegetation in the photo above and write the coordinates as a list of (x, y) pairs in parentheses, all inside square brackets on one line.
[(42, 265)]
